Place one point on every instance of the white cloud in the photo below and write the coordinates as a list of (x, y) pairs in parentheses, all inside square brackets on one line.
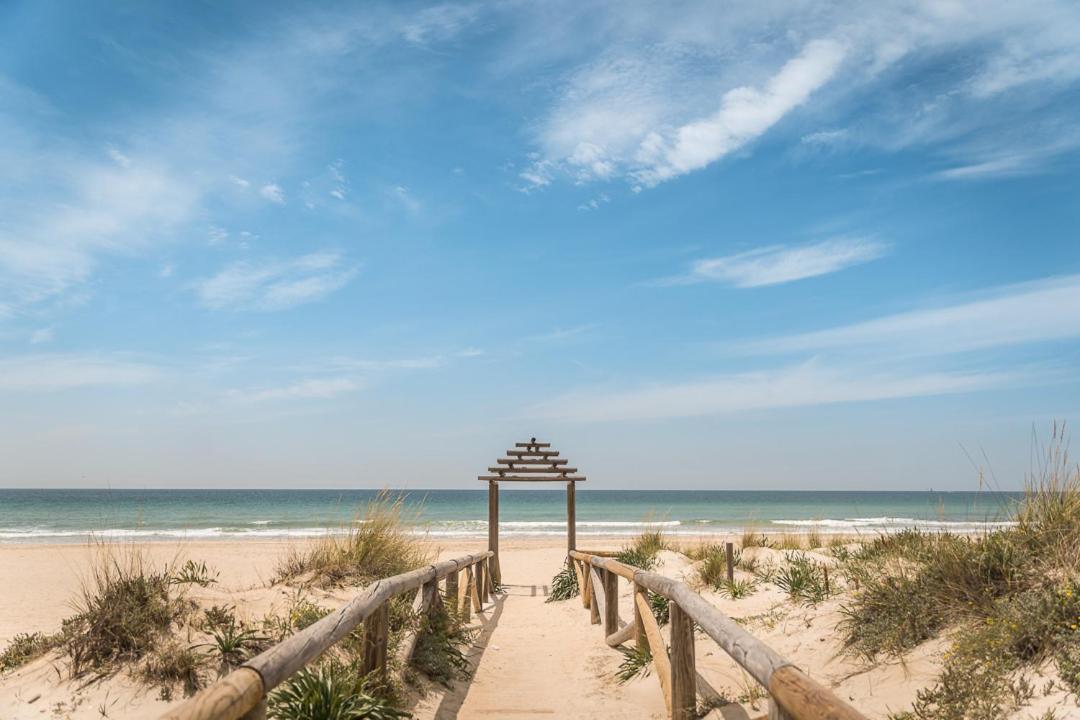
[(781, 264), (309, 389), (796, 386), (439, 23), (42, 335), (653, 94), (744, 114), (273, 193), (239, 182), (1010, 315), (113, 211), (166, 270), (275, 285), (404, 196), (55, 372), (118, 157)]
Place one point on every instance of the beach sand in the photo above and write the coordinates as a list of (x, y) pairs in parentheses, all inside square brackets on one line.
[(530, 657)]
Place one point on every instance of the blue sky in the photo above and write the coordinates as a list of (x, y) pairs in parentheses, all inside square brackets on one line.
[(768, 245)]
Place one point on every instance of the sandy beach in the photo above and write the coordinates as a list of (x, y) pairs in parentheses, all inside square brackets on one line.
[(524, 649)]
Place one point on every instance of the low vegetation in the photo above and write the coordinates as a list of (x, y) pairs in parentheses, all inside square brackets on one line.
[(332, 690), (26, 647), (804, 580), (564, 585), (636, 662), (377, 544), (643, 551), (1010, 599)]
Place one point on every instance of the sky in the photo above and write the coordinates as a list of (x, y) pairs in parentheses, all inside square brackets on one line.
[(769, 245)]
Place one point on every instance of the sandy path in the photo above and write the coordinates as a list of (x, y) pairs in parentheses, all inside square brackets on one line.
[(544, 659)]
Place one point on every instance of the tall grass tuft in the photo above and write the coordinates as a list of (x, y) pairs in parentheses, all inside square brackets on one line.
[(333, 690), (125, 608), (643, 550), (377, 544), (1013, 593)]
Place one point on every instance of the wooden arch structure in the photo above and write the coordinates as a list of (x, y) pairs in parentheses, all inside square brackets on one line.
[(530, 461)]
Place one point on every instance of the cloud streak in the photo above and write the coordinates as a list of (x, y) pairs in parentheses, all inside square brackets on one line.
[(57, 372), (275, 285), (796, 386), (1033, 312), (779, 264)]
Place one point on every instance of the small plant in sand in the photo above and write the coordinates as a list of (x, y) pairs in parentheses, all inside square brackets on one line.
[(170, 664), (713, 569), (234, 643), (194, 573), (333, 690), (564, 585), (736, 589), (802, 579), (643, 551), (377, 544), (636, 663), (753, 538), (26, 647)]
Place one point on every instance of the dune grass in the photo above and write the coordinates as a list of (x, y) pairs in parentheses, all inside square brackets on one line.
[(1011, 595), (124, 609), (25, 647), (377, 544), (564, 585), (643, 550)]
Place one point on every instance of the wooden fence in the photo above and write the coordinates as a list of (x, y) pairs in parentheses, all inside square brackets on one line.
[(792, 694), (242, 693)]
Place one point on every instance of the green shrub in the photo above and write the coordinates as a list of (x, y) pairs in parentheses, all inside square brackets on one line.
[(564, 585), (636, 662), (331, 691), (802, 579), (737, 589), (194, 573), (25, 647), (661, 608)]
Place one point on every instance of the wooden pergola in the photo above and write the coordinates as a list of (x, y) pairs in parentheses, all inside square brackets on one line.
[(530, 461)]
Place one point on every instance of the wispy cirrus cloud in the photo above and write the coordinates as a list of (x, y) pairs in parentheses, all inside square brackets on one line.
[(1038, 311), (654, 95), (779, 264), (307, 389), (56, 371), (802, 385), (275, 284)]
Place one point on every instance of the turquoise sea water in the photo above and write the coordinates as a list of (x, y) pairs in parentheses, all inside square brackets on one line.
[(71, 515)]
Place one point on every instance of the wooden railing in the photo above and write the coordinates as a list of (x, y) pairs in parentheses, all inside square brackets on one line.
[(242, 693), (792, 694)]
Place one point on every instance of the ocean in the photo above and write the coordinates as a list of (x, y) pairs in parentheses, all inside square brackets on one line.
[(54, 516)]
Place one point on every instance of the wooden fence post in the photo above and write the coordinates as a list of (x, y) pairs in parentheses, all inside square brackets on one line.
[(594, 604), (376, 633), (466, 601), (493, 530), (571, 518), (640, 639), (776, 712), (452, 591), (730, 552), (481, 586), (683, 671), (611, 602)]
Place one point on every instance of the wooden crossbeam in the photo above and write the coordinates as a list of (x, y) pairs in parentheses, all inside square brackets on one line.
[(529, 453), (532, 445), (531, 461), (563, 470), (526, 478)]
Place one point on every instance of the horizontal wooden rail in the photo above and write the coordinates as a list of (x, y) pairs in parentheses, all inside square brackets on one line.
[(794, 695), (242, 693)]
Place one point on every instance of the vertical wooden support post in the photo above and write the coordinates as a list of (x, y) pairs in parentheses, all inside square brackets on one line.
[(640, 639), (730, 552), (481, 586), (611, 602), (376, 633), (683, 671), (825, 569), (594, 607), (452, 591), (466, 601), (256, 713), (571, 518), (493, 530)]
